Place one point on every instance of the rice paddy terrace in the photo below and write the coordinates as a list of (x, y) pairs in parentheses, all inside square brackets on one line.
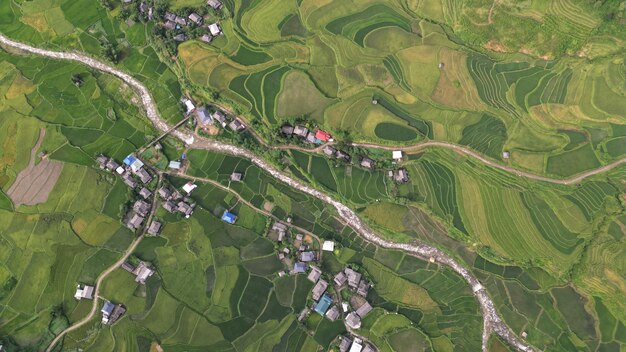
[(543, 81)]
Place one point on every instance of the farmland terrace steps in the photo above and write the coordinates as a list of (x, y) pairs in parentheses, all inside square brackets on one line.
[(492, 321)]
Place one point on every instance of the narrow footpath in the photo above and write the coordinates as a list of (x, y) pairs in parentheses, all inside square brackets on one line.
[(492, 320)]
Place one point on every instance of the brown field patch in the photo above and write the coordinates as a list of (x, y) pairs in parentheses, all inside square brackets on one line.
[(37, 21), (34, 184), (19, 87)]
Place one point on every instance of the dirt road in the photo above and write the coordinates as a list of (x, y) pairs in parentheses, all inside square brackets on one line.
[(492, 321)]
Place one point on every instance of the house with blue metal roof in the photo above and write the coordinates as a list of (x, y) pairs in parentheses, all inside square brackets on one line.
[(229, 217), (323, 304), (134, 163)]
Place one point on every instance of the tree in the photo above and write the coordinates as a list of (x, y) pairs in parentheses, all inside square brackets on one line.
[(77, 80)]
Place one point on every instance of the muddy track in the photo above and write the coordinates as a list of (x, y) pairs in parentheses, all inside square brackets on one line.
[(492, 320)]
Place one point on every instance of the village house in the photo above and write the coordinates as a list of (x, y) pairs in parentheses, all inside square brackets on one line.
[(143, 175), (219, 117), (203, 117), (368, 348), (134, 221), (333, 313), (363, 288), (229, 217), (185, 208), (195, 18), (111, 312), (323, 304), (142, 272), (303, 314), (343, 156), (175, 165), (367, 162), (145, 193), (85, 292), (315, 274), (102, 161), (287, 130), (180, 37), (169, 16), (353, 320), (155, 228), (189, 187), (112, 165), (189, 105), (215, 4), (236, 125), (207, 38), (364, 309), (396, 155), (310, 138), (345, 344), (357, 345), (299, 237), (328, 150), (215, 29), (236, 176), (308, 256), (164, 192), (169, 25), (401, 176), (170, 206), (129, 181), (340, 279), (281, 229), (328, 246), (354, 277), (300, 131), (322, 137), (180, 20), (319, 289), (299, 267), (141, 207), (286, 250), (281, 256), (506, 155)]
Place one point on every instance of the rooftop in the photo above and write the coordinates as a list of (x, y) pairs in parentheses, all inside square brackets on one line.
[(189, 187), (229, 217), (324, 303), (328, 246), (319, 289)]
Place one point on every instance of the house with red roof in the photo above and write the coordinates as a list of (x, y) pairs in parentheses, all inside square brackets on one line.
[(323, 136)]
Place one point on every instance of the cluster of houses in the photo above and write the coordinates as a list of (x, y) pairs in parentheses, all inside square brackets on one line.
[(173, 201), (132, 169), (354, 344), (142, 271), (296, 254), (174, 22), (310, 136), (333, 308), (204, 118), (112, 312)]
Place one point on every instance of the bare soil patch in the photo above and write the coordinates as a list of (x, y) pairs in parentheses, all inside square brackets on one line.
[(34, 184)]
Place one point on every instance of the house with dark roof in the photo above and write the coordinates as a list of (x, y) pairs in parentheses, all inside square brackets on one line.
[(310, 137), (207, 38), (102, 161), (315, 274), (134, 221), (308, 256), (219, 117), (300, 131), (340, 279), (155, 228), (180, 20), (328, 150), (401, 176), (299, 267), (143, 175), (367, 162), (345, 344), (353, 320), (112, 164), (368, 348), (164, 192), (363, 288), (145, 193), (287, 130), (203, 117), (170, 16), (180, 37), (215, 4), (170, 25), (236, 125), (319, 289), (195, 18), (141, 207), (333, 313), (354, 277), (129, 180), (343, 156), (170, 206), (185, 208), (364, 309)]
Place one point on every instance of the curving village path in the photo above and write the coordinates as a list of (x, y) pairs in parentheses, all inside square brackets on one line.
[(492, 320)]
